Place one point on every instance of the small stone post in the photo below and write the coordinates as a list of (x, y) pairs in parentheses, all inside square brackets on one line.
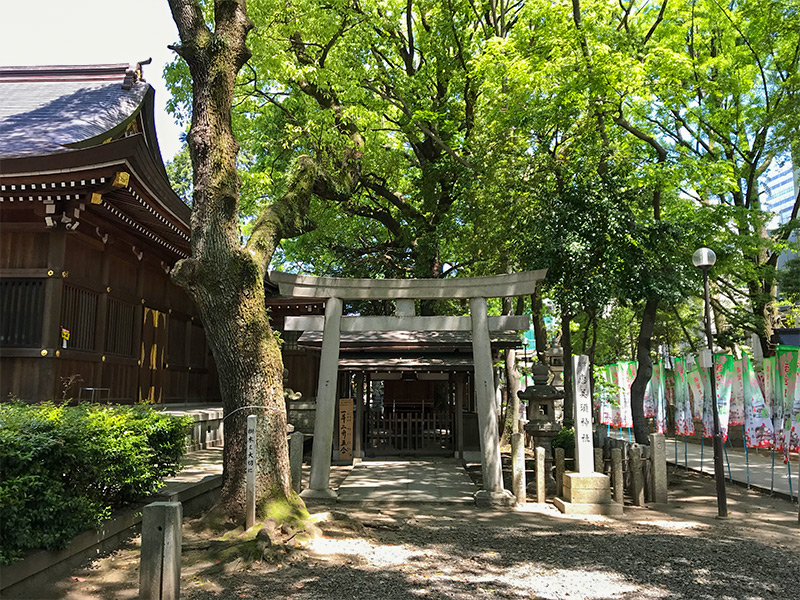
[(616, 475), (296, 459), (250, 479), (518, 467), (160, 562), (658, 455), (540, 474), (602, 436), (598, 460), (559, 452), (648, 474), (637, 483)]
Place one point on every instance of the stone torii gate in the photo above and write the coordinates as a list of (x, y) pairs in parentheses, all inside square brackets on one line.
[(404, 292)]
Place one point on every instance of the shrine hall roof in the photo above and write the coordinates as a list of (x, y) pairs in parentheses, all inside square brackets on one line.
[(447, 341), (53, 109)]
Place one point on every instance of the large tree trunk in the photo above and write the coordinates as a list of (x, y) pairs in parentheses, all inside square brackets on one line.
[(566, 344), (226, 282), (644, 370), (539, 329), (511, 424)]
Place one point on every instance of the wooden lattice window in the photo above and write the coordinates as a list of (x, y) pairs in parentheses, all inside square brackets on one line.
[(290, 340), (79, 315), (119, 328), (21, 312)]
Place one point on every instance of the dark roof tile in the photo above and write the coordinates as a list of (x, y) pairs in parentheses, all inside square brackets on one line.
[(46, 110)]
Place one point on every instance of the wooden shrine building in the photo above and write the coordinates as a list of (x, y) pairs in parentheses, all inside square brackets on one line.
[(89, 230)]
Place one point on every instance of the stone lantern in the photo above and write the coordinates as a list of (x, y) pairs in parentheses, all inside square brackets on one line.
[(555, 359), (542, 424)]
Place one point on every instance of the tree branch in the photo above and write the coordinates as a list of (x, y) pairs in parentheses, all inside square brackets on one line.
[(658, 20)]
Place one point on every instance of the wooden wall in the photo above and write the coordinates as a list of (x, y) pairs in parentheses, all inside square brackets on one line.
[(107, 297), (303, 371)]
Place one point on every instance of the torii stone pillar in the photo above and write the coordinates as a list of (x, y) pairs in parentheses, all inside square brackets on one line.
[(492, 492), (318, 485)]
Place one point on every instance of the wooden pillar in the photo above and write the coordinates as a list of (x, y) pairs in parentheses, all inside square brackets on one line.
[(359, 425), (459, 420), (49, 386), (138, 321), (367, 409), (101, 323), (187, 359), (326, 403)]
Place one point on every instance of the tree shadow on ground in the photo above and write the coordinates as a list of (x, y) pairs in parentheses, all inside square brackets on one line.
[(465, 553)]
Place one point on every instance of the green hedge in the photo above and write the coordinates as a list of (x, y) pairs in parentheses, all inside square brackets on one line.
[(65, 468)]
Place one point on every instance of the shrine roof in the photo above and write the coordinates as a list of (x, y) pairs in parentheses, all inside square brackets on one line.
[(54, 109), (440, 341)]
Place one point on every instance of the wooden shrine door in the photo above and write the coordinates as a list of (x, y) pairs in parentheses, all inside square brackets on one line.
[(151, 356)]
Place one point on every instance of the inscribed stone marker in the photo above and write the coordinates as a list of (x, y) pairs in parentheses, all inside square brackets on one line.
[(584, 454)]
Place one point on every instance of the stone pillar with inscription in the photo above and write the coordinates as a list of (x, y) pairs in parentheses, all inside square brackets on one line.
[(585, 491)]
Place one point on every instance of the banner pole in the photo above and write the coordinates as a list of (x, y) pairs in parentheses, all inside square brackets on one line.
[(676, 448), (727, 462), (772, 471), (702, 449), (746, 456), (685, 454)]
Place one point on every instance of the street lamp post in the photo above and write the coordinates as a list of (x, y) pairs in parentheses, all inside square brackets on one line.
[(704, 259)]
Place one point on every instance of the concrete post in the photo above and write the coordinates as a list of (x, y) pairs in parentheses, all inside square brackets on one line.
[(598, 460), (160, 562), (492, 491), (250, 472), (296, 459), (326, 403), (658, 456), (559, 457), (602, 435), (616, 475), (540, 473), (637, 479), (518, 467)]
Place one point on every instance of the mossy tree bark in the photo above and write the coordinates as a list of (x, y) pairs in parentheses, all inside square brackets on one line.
[(226, 280)]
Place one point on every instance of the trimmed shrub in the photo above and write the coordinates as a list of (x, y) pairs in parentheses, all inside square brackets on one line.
[(63, 469), (565, 439)]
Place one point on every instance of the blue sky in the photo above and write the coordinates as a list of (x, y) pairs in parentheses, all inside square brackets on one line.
[(62, 32)]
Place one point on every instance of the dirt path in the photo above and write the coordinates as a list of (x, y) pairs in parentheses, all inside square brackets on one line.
[(535, 552)]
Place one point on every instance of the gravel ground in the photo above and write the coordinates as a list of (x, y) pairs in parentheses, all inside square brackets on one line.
[(678, 552), (681, 551), (524, 555)]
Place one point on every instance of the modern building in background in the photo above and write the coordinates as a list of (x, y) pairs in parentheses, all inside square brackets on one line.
[(779, 190)]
